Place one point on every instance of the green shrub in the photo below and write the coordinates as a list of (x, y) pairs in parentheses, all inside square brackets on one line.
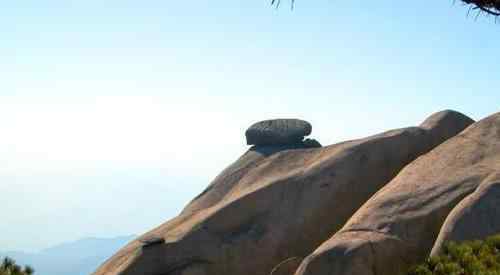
[(466, 258), (9, 267)]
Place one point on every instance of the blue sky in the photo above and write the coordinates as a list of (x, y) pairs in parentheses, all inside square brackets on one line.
[(113, 114)]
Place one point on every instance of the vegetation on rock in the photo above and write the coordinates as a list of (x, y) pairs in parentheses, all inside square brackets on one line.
[(466, 258), (9, 267), (489, 7)]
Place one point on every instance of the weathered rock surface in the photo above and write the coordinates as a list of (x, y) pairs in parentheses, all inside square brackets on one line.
[(226, 180), (278, 132), (398, 226), (475, 217), (277, 202)]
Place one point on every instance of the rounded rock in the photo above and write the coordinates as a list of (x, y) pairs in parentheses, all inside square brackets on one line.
[(278, 132)]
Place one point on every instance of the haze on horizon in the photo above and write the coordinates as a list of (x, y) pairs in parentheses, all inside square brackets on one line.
[(113, 115)]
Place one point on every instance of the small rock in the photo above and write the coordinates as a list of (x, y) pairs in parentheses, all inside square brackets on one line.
[(152, 241), (311, 143)]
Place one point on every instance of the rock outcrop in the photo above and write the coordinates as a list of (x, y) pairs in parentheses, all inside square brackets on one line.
[(278, 202), (278, 132), (475, 217), (398, 226)]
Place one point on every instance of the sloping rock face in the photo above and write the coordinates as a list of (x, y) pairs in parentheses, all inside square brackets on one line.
[(398, 226), (278, 132), (475, 217), (276, 203), (228, 178)]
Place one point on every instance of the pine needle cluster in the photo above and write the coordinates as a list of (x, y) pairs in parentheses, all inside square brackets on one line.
[(466, 258)]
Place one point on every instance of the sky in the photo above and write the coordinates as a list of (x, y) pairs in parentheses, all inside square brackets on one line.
[(114, 114)]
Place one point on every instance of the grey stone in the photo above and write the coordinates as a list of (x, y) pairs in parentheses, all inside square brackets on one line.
[(311, 143), (278, 132)]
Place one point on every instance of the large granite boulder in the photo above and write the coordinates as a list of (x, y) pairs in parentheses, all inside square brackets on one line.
[(276, 203), (398, 226), (475, 217), (278, 132)]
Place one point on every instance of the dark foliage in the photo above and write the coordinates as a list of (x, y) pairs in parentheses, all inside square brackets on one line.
[(9, 267), (467, 258), (489, 7)]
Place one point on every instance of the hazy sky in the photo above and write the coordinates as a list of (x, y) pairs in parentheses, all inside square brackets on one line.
[(113, 114)]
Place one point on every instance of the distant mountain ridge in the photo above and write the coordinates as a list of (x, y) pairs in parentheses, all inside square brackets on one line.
[(79, 257)]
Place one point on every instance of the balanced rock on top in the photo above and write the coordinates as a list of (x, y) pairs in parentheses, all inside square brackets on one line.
[(278, 132)]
